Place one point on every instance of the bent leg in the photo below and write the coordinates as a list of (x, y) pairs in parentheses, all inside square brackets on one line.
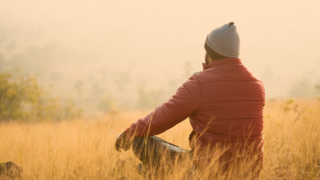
[(152, 150)]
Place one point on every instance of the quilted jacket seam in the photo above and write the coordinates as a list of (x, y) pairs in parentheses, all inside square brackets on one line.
[(229, 82), (164, 113), (177, 104), (200, 92), (234, 101)]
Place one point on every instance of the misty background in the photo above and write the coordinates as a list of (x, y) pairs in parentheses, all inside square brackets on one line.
[(108, 55)]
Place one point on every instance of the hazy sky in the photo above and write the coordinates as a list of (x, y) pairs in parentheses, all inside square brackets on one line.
[(148, 39)]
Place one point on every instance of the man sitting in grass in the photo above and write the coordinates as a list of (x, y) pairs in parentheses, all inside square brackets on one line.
[(224, 103)]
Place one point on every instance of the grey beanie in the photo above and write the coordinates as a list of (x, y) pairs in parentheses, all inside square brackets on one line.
[(223, 40)]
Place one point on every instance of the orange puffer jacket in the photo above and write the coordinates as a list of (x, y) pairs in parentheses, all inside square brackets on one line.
[(224, 103)]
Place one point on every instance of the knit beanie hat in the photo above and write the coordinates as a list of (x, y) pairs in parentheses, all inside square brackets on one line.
[(223, 42)]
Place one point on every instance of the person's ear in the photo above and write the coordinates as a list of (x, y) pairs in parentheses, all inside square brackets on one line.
[(210, 59)]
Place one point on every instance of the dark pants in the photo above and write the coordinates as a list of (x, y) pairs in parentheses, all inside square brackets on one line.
[(154, 151), (156, 154)]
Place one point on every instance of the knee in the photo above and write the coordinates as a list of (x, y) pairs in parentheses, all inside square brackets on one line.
[(137, 143), (138, 146)]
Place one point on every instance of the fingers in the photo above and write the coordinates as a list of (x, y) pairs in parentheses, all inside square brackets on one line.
[(122, 145), (122, 142), (118, 145), (127, 146)]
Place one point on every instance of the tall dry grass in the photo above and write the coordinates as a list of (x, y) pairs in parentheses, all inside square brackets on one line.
[(84, 149)]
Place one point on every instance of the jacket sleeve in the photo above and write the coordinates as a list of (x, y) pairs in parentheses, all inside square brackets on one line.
[(184, 103)]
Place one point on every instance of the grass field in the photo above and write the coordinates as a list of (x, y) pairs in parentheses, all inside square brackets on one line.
[(84, 149)]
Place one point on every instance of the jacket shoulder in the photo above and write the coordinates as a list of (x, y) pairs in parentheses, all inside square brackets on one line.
[(192, 87)]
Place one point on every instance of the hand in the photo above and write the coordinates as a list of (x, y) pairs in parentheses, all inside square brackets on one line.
[(123, 141)]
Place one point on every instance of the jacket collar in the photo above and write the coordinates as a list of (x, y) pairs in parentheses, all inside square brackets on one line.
[(231, 60)]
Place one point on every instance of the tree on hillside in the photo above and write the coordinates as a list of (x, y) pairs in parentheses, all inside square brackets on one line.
[(22, 99)]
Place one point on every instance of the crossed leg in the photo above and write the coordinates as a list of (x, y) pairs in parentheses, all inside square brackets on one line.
[(155, 152)]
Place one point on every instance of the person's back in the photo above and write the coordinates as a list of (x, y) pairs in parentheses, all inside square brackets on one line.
[(230, 114), (224, 103)]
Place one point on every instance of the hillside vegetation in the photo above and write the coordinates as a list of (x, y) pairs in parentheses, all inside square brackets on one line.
[(21, 99)]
